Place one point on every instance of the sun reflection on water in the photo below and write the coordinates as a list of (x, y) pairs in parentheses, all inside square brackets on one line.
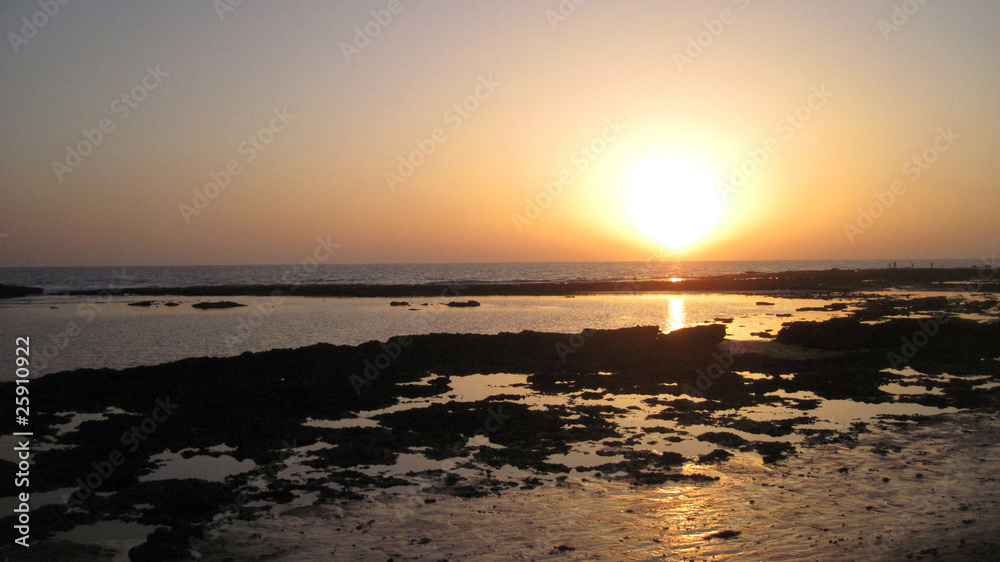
[(675, 315)]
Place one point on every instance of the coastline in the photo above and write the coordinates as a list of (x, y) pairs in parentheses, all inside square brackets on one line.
[(818, 281), (277, 441)]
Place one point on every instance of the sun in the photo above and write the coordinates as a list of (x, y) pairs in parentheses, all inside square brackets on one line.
[(672, 198)]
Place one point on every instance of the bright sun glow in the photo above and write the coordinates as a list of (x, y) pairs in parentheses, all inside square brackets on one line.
[(672, 198)]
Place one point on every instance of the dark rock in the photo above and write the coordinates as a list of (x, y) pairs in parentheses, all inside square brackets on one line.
[(942, 335), (723, 438), (399, 303), (216, 304), (764, 303), (15, 291), (670, 458), (771, 451), (650, 478), (727, 534), (461, 304), (979, 306), (773, 428), (161, 545), (715, 456), (696, 336), (141, 303)]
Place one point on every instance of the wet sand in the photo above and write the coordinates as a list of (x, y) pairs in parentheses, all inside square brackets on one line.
[(858, 500)]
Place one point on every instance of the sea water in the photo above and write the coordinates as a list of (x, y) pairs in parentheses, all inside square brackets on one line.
[(96, 331)]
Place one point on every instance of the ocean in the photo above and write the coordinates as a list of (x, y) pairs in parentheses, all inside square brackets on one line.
[(58, 279), (71, 332)]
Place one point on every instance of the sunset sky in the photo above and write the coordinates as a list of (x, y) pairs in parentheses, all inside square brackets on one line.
[(427, 131)]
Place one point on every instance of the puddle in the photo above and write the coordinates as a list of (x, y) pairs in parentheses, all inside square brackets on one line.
[(910, 389), (204, 467), (472, 388), (117, 535), (37, 499), (74, 423), (341, 424), (410, 462)]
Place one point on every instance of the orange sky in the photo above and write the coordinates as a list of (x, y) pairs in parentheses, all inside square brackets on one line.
[(313, 106)]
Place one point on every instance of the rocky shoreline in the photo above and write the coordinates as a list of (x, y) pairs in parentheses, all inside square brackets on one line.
[(689, 386)]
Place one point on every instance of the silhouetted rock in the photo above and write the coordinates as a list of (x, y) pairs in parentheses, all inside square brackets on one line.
[(655, 478), (14, 291), (696, 336), (718, 455), (162, 545), (465, 304), (217, 304), (723, 438), (727, 534), (399, 303), (771, 451), (906, 337)]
